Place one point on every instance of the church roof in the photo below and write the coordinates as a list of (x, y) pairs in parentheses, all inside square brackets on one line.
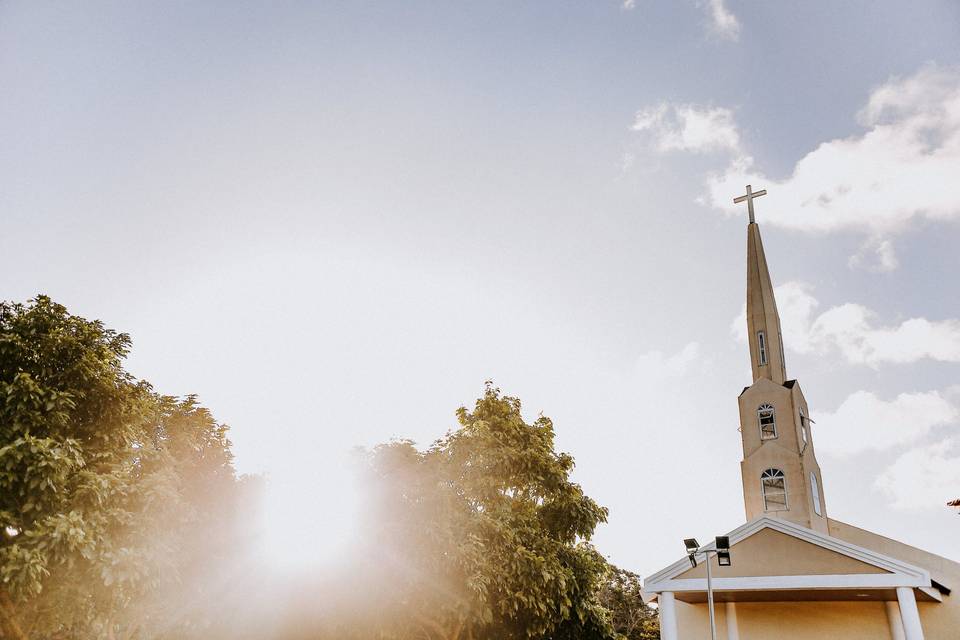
[(795, 562), (789, 384)]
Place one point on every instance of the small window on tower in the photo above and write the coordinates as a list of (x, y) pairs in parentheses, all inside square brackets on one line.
[(768, 423), (762, 347), (815, 493), (774, 486)]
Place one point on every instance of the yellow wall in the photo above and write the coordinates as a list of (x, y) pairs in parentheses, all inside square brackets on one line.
[(791, 621)]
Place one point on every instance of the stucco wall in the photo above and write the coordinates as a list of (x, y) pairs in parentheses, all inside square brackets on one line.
[(771, 553), (785, 452), (791, 621)]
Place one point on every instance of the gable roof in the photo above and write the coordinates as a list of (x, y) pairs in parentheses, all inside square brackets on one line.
[(892, 572), (769, 552)]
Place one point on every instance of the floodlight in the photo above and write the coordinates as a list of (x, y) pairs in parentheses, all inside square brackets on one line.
[(692, 547), (723, 551)]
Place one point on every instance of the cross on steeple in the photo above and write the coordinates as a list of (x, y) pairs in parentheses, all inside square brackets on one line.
[(750, 195)]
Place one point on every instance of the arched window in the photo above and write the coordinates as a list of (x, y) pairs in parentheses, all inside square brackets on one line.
[(774, 486), (768, 423), (803, 427), (815, 492)]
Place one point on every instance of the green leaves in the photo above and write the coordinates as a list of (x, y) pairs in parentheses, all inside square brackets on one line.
[(113, 493), (22, 569), (490, 529), (631, 618), (34, 473), (121, 515)]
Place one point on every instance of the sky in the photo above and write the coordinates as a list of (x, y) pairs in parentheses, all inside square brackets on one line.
[(334, 221)]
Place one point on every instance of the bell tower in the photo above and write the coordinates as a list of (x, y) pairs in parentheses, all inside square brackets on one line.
[(781, 476)]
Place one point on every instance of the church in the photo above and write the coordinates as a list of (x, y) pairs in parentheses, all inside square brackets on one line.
[(792, 571)]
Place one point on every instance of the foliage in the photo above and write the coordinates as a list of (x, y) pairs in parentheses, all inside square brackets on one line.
[(631, 618), (109, 493), (121, 517), (483, 535)]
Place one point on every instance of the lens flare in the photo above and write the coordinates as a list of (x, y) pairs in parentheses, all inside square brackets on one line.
[(310, 516)]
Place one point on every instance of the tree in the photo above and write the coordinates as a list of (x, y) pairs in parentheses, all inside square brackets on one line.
[(108, 491), (191, 524), (483, 535), (121, 517), (630, 616)]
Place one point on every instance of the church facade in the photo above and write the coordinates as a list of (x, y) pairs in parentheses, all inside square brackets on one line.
[(797, 573)]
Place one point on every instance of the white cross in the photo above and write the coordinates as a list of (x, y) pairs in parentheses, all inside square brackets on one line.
[(750, 195)]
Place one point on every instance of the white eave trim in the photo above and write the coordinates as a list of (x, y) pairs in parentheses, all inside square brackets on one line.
[(903, 574), (764, 583), (930, 591)]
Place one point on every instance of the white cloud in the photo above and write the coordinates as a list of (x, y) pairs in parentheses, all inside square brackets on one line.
[(655, 364), (865, 422), (722, 21), (926, 477), (854, 331), (688, 127), (850, 327), (876, 255), (900, 168)]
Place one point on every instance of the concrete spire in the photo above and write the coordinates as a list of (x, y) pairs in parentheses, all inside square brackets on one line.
[(763, 320), (781, 476)]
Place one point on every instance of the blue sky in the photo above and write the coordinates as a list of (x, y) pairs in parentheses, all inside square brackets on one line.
[(335, 220)]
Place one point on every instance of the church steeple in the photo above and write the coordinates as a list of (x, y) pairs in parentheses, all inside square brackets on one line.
[(781, 476), (763, 320)]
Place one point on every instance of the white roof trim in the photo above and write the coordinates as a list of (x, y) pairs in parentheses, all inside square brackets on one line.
[(757, 583), (933, 592), (902, 574)]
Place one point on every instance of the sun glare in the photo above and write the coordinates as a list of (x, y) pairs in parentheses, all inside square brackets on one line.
[(310, 517)]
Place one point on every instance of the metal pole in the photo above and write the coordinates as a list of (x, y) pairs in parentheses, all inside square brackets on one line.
[(713, 623)]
